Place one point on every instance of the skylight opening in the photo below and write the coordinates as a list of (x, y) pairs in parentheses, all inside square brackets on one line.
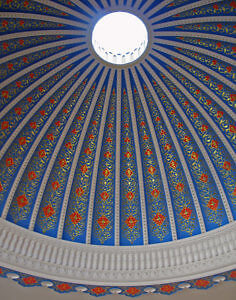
[(119, 38)]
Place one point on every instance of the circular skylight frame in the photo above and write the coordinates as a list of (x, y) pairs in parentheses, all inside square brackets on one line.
[(128, 56)]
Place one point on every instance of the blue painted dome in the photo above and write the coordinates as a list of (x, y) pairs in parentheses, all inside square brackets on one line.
[(97, 153)]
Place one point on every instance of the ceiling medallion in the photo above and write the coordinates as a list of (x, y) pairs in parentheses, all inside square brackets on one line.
[(119, 38)]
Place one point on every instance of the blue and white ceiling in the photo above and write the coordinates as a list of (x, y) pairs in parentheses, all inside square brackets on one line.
[(117, 155)]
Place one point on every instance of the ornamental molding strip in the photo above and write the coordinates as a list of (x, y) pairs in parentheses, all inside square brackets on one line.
[(208, 254)]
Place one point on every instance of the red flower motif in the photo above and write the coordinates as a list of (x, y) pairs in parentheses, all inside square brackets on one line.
[(10, 66), (42, 112), (110, 125), (1, 187), (129, 173), (5, 45), (179, 187), (18, 110), (194, 155), (42, 153), (227, 165), (4, 23), (229, 69), (195, 115), (98, 290), (204, 128), (219, 114), (213, 203), (62, 163), (214, 144), (167, 288), (103, 222), (187, 139), (55, 185), (132, 291), (131, 221), (130, 196), (22, 201), (79, 191), (29, 280), (204, 178), (94, 123), (173, 164), (127, 140), (104, 195), (232, 128), (208, 102), (9, 162), (145, 137), (75, 217), (155, 193), (142, 124), (68, 145), (65, 111), (202, 283), (48, 211), (91, 136), (4, 125), (33, 125), (58, 123), (233, 274), (22, 140), (84, 169), (106, 172), (31, 75), (128, 154), (186, 103), (18, 84), (163, 132), (109, 140), (52, 101), (167, 147), (29, 99), (159, 219), (158, 119), (233, 97), (31, 175), (126, 125), (186, 213), (148, 152), (233, 4), (151, 170), (64, 287), (180, 125), (50, 137), (107, 154), (87, 151)]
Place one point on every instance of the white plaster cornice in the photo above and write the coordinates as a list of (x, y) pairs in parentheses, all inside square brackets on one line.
[(203, 255)]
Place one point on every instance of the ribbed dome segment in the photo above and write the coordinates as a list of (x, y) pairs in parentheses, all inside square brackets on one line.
[(117, 155)]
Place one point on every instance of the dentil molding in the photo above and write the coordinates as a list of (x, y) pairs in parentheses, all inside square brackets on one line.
[(185, 259)]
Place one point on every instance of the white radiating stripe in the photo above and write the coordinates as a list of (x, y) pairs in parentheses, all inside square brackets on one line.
[(179, 152), (14, 15), (37, 106), (157, 7), (34, 33), (138, 159), (65, 9), (77, 154), (105, 4), (62, 137), (38, 138), (40, 48), (37, 83), (137, 3), (146, 4), (210, 36), (183, 8), (224, 58), (157, 148), (193, 131), (197, 64), (96, 160), (194, 21), (92, 2), (40, 63), (117, 163), (206, 90)]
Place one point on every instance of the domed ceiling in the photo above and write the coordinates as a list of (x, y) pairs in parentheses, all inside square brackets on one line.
[(97, 153)]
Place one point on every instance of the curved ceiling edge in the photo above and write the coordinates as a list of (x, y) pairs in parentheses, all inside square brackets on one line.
[(27, 251)]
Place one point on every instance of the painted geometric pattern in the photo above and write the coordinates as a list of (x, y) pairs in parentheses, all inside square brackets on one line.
[(117, 155)]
